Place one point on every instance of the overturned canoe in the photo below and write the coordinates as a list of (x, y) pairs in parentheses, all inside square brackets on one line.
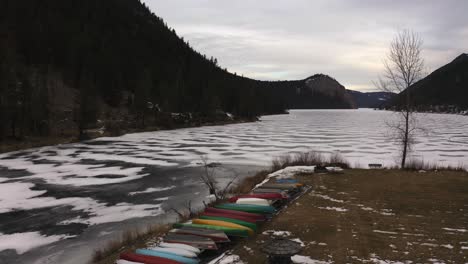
[(250, 208), (122, 261), (217, 236), (146, 259), (258, 217), (286, 181), (231, 220), (265, 190), (267, 196), (181, 246), (222, 224), (228, 230), (191, 240), (167, 255), (177, 251), (282, 186), (232, 216), (170, 256), (255, 201)]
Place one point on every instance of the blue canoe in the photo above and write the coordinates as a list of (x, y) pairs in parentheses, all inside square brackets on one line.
[(286, 181), (149, 252)]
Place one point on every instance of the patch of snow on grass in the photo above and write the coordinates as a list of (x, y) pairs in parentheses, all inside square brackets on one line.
[(277, 233), (447, 246), (248, 249), (298, 240), (22, 242), (461, 230), (429, 245), (338, 209), (307, 260), (226, 258), (151, 190), (385, 232), (326, 197)]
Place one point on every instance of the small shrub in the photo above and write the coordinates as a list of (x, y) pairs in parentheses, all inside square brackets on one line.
[(419, 164), (309, 159)]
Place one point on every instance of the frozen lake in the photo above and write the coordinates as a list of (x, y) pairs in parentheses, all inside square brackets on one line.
[(59, 203)]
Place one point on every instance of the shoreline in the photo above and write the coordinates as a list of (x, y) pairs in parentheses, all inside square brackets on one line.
[(37, 142), (111, 254)]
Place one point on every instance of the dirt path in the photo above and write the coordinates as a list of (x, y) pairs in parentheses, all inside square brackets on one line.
[(366, 216)]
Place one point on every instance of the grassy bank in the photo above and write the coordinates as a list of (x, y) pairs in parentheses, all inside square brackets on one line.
[(341, 212), (375, 216)]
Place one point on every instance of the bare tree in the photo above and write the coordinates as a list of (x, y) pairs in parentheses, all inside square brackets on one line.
[(208, 177), (404, 66)]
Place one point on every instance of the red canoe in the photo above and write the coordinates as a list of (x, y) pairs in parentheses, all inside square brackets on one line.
[(267, 196), (257, 217), (232, 216), (146, 259)]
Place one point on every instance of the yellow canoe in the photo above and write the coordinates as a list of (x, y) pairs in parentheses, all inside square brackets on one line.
[(221, 223)]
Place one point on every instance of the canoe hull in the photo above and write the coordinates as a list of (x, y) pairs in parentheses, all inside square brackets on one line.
[(255, 201), (259, 209), (174, 257), (222, 224), (181, 246), (231, 220), (258, 217), (268, 196), (229, 231), (146, 259), (216, 236), (191, 240), (232, 216), (175, 251)]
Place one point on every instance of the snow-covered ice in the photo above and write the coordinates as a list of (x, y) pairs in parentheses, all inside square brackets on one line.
[(22, 242), (84, 176), (151, 190)]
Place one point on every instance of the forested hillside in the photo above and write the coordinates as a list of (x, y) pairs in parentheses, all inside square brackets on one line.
[(444, 90), (79, 64)]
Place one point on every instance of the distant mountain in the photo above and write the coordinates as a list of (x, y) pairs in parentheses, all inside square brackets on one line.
[(445, 87), (319, 91), (371, 99), (75, 65)]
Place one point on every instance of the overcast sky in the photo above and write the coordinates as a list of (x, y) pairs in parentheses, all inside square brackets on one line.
[(293, 39)]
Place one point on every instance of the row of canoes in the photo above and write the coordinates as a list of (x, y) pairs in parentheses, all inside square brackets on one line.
[(216, 225)]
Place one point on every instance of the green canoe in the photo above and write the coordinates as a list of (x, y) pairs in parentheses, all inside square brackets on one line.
[(230, 220), (250, 208), (227, 230)]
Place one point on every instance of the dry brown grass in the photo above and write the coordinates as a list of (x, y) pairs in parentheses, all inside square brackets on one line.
[(249, 183), (390, 215), (415, 164), (309, 159)]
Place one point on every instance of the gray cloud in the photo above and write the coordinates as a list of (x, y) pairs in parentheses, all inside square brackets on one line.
[(293, 39)]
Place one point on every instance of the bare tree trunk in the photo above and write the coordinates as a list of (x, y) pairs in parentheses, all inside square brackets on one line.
[(405, 140), (403, 67)]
